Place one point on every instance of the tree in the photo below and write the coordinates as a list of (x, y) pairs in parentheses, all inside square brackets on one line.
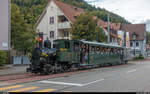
[(22, 34), (85, 27), (148, 37)]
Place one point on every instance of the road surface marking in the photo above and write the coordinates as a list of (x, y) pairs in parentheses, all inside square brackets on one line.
[(61, 83), (10, 87), (24, 89), (134, 70), (93, 82), (46, 90), (67, 91), (71, 84)]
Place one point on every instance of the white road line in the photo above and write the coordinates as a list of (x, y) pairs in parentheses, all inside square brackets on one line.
[(93, 82), (134, 70), (61, 83), (71, 84)]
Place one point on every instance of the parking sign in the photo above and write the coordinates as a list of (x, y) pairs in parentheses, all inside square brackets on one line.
[(4, 24)]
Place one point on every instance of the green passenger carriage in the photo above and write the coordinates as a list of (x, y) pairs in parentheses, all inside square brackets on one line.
[(85, 53)]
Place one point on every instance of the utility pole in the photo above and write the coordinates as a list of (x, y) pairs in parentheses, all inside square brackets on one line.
[(108, 28)]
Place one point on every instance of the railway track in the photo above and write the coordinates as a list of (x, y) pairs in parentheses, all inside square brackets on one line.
[(28, 77)]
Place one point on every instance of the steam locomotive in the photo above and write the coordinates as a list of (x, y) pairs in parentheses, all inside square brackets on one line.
[(76, 54)]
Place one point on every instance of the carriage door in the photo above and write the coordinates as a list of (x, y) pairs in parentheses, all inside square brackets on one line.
[(84, 54), (76, 52)]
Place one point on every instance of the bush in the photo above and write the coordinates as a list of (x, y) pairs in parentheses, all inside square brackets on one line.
[(3, 57), (140, 57)]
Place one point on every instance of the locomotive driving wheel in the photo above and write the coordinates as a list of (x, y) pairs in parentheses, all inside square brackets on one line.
[(48, 69)]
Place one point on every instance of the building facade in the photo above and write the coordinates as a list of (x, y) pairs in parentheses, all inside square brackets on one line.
[(55, 22), (137, 33)]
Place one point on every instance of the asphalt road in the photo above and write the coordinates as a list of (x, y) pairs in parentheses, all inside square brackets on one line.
[(133, 77)]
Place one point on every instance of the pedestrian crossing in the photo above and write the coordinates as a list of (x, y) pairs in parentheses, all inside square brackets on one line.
[(23, 88)]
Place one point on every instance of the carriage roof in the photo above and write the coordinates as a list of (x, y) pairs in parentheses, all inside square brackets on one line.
[(93, 43), (100, 44)]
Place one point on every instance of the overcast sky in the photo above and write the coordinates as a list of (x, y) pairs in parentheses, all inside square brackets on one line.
[(135, 11)]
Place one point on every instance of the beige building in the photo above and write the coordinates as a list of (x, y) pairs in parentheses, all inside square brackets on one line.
[(55, 21)]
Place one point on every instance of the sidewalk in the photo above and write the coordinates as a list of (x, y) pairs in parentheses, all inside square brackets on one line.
[(12, 69)]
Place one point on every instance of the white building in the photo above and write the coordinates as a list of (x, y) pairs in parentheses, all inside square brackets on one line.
[(56, 20)]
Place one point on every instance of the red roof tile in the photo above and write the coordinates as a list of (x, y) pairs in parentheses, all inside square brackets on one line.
[(69, 11)]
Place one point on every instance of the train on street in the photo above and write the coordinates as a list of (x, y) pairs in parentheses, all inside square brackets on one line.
[(67, 55)]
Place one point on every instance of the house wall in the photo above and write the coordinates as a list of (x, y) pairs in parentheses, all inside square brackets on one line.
[(44, 26), (140, 49)]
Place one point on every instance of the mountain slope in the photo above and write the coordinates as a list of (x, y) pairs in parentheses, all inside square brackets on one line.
[(33, 8)]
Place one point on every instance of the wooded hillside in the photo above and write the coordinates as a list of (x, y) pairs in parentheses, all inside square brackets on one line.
[(33, 8)]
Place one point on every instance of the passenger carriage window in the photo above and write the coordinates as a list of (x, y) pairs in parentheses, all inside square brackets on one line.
[(102, 50), (109, 50), (76, 46), (92, 49), (97, 49), (112, 51), (118, 51), (82, 47)]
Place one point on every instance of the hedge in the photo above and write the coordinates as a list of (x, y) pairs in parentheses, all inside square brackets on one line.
[(3, 57)]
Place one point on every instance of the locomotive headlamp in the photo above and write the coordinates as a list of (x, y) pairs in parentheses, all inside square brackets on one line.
[(63, 49), (44, 54)]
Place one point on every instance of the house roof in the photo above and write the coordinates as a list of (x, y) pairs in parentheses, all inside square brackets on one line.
[(113, 26), (70, 12), (138, 29)]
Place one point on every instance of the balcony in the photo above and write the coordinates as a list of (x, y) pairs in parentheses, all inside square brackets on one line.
[(64, 25), (64, 38)]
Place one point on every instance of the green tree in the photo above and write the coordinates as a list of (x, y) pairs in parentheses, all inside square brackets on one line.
[(148, 37), (85, 27), (3, 57), (22, 34)]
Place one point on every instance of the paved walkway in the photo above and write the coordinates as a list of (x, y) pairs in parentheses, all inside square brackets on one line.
[(11, 69)]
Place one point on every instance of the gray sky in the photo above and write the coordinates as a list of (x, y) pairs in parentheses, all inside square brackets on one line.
[(135, 11)]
